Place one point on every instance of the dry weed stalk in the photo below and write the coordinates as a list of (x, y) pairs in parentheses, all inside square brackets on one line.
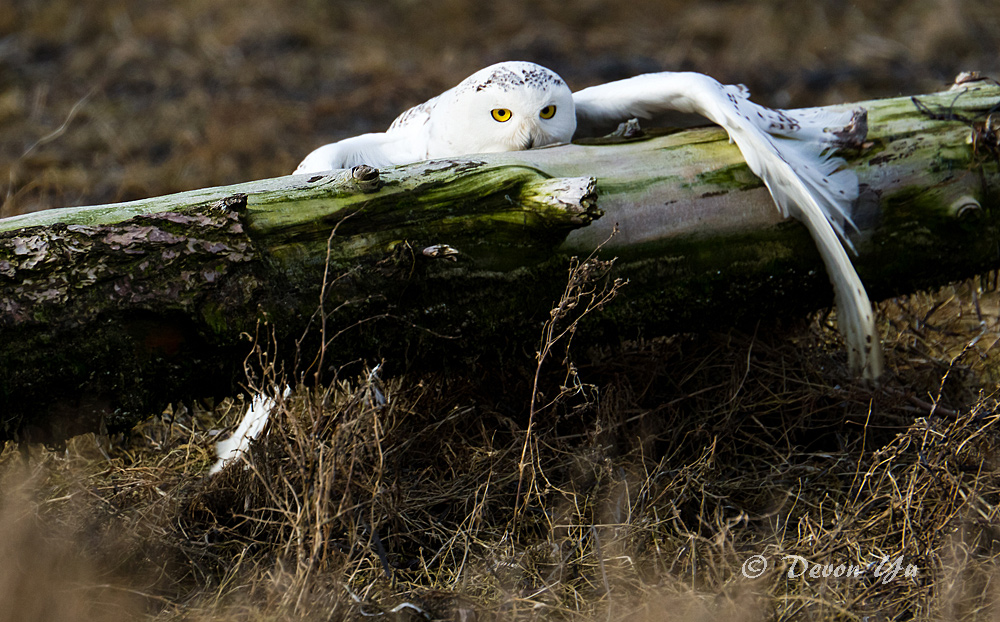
[(587, 290)]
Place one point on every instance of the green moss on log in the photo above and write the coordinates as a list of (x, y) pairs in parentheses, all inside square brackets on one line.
[(112, 310)]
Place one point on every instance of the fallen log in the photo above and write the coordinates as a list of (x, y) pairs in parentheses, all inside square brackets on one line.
[(107, 312)]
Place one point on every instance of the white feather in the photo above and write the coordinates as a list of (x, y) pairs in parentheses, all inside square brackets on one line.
[(253, 423)]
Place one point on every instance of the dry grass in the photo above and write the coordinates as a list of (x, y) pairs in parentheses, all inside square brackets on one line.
[(668, 467)]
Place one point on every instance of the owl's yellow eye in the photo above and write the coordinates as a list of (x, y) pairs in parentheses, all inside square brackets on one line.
[(501, 114), (548, 112)]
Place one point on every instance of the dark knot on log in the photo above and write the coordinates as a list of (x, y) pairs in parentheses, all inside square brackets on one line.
[(366, 177), (232, 203)]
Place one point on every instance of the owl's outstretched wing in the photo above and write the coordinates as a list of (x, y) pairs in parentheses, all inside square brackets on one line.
[(788, 150), (404, 142), (379, 150)]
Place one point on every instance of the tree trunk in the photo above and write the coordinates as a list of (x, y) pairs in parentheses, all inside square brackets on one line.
[(107, 312)]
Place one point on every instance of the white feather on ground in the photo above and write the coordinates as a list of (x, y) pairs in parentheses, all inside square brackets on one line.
[(250, 428)]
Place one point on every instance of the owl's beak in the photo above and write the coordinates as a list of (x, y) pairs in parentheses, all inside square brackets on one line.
[(531, 141)]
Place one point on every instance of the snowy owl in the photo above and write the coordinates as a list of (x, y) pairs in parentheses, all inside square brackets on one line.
[(512, 106)]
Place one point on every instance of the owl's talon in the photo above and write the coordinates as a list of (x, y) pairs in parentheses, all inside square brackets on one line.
[(628, 129)]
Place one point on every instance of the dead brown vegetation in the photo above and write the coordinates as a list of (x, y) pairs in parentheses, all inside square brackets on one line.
[(656, 472)]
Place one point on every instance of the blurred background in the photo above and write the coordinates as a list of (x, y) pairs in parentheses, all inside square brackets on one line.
[(113, 100)]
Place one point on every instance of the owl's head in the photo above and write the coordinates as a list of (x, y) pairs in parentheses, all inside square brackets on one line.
[(505, 107)]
